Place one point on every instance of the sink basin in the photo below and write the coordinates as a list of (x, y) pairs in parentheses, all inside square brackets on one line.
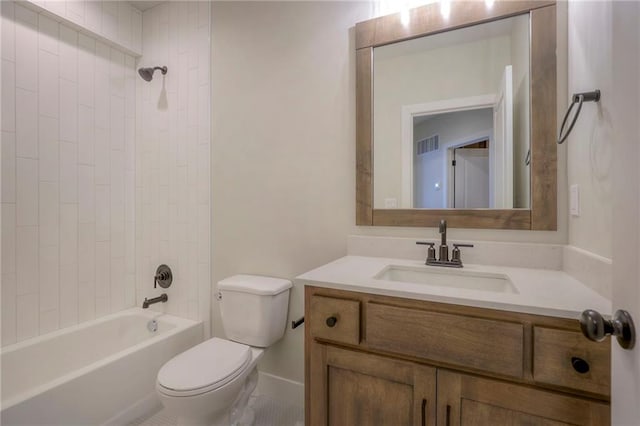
[(452, 278)]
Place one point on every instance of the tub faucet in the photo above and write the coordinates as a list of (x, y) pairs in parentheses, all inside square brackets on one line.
[(147, 302)]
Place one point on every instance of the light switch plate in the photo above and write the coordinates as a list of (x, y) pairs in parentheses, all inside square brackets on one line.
[(574, 200)]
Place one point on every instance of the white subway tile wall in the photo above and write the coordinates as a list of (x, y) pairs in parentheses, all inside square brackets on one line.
[(172, 157), (116, 21), (68, 156), (89, 150)]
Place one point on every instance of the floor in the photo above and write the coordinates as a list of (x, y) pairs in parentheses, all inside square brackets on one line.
[(268, 412)]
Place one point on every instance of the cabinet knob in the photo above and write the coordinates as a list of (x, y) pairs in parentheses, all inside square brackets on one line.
[(331, 321), (596, 328), (580, 365)]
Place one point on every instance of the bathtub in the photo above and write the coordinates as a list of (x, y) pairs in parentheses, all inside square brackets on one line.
[(99, 372)]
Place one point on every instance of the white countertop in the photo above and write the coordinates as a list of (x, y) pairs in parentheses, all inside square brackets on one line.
[(539, 291)]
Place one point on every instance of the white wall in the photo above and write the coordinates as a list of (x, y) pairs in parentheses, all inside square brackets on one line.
[(68, 112), (590, 143), (283, 148), (286, 161), (172, 158), (429, 170), (432, 75)]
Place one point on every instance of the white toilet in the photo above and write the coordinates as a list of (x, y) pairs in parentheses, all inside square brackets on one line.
[(210, 383)]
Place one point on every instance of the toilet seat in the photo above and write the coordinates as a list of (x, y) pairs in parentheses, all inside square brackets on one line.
[(203, 368)]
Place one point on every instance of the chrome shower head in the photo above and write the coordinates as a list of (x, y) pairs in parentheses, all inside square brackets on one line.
[(147, 73)]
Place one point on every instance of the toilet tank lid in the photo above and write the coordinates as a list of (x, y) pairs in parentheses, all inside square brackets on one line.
[(255, 284)]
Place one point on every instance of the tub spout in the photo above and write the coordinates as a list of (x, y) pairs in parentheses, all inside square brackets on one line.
[(147, 302)]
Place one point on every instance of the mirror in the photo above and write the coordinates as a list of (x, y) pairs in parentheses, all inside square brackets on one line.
[(451, 119), (456, 117)]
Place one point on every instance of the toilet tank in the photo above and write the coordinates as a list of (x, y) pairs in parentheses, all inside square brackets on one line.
[(254, 308)]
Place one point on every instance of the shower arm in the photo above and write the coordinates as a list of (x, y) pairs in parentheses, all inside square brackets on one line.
[(162, 69)]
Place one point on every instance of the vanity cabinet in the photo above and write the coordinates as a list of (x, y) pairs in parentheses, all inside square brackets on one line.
[(366, 389), (384, 360), (470, 400)]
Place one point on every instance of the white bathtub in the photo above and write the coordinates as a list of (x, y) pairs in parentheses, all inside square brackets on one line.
[(99, 372)]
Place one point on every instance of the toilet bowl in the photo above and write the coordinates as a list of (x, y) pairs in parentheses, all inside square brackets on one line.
[(206, 395), (210, 383)]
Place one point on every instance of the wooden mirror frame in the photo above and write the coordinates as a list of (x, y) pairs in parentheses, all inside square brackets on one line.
[(426, 20)]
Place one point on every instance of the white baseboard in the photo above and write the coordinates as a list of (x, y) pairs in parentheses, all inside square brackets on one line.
[(279, 388), (147, 405)]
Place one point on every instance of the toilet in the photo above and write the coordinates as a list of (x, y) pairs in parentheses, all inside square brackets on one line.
[(210, 384)]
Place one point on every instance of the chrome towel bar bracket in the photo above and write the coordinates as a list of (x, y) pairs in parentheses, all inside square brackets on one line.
[(577, 98)]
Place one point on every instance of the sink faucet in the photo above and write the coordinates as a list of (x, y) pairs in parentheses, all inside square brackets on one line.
[(148, 302), (444, 248), (443, 260)]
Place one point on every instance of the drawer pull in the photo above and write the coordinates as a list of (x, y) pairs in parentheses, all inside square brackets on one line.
[(580, 365), (331, 321), (447, 418)]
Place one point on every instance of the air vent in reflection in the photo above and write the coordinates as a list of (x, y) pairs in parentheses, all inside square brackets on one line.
[(427, 145)]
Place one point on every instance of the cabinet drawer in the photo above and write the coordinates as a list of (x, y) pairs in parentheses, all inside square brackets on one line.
[(553, 351), (335, 319), (482, 344)]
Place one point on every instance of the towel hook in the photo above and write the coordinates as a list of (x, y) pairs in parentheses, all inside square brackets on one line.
[(577, 98)]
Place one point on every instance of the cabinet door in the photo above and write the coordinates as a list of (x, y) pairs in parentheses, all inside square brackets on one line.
[(467, 400), (355, 388)]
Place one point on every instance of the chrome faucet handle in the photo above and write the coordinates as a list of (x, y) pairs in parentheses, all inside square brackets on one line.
[(431, 251), (455, 253)]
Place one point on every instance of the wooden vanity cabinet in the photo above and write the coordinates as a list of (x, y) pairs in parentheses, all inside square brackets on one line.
[(471, 400), (360, 388), (378, 360)]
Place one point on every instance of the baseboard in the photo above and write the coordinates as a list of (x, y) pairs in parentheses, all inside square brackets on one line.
[(143, 408), (591, 269), (279, 388)]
